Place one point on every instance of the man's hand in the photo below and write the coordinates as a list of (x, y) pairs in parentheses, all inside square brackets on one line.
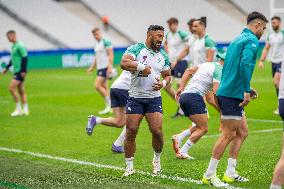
[(90, 70), (157, 85), (109, 70), (23, 74), (261, 64), (173, 64), (253, 93), (178, 93), (247, 99), (146, 71), (4, 71)]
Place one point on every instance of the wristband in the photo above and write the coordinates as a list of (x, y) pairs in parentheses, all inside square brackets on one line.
[(164, 83), (140, 67)]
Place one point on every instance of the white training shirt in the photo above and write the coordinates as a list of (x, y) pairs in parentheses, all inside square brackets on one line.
[(199, 47), (202, 80), (281, 85), (123, 81), (176, 43), (141, 87), (276, 42), (101, 55)]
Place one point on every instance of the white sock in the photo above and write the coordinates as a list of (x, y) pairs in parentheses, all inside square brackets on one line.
[(212, 167), (129, 162), (193, 124), (26, 107), (157, 156), (120, 140), (180, 111), (231, 168), (99, 120), (186, 146), (183, 134), (107, 101), (18, 106), (272, 186)]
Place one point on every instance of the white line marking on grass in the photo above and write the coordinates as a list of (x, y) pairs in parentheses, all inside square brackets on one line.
[(102, 166), (264, 120)]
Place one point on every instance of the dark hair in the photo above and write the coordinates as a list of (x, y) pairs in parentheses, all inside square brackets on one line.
[(172, 20), (95, 30), (155, 28), (202, 20), (11, 32), (276, 18), (256, 15), (190, 22)]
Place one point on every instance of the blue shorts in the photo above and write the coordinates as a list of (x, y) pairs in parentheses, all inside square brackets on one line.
[(276, 68), (180, 68), (281, 108), (102, 72), (118, 97), (144, 105), (192, 103), (230, 108), (17, 76)]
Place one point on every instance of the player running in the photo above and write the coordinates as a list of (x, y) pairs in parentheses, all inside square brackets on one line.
[(19, 60), (233, 95), (278, 176), (175, 42), (274, 44), (103, 61), (205, 77), (147, 62), (118, 95)]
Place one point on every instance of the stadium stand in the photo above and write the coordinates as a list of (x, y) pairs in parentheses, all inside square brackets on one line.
[(253, 5)]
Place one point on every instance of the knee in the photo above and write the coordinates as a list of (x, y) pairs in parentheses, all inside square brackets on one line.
[(130, 133), (11, 89), (157, 133), (204, 130), (243, 134), (229, 136), (97, 86), (119, 122)]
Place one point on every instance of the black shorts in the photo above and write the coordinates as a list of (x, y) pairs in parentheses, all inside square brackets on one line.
[(144, 105), (281, 108), (17, 76), (102, 72), (230, 108), (180, 69), (276, 68), (118, 97), (192, 103)]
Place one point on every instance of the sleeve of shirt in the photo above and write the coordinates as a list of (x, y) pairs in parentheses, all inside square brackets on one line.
[(22, 51), (107, 43), (167, 64), (209, 43), (134, 50), (247, 63), (217, 74), (183, 35)]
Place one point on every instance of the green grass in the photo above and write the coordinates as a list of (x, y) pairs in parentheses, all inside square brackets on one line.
[(60, 101)]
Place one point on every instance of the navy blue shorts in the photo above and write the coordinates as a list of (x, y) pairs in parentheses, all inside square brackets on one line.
[(192, 103), (180, 69), (118, 97), (276, 68), (102, 72), (281, 108), (230, 108), (144, 105), (17, 76)]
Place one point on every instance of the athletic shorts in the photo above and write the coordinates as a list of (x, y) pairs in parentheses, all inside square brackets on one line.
[(192, 103), (118, 97), (17, 76), (102, 72), (144, 105), (180, 69), (230, 108), (281, 108), (276, 68)]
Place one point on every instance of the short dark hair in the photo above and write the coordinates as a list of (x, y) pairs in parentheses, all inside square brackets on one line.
[(276, 18), (172, 20), (95, 30), (256, 15), (202, 20), (190, 22), (11, 32), (155, 28)]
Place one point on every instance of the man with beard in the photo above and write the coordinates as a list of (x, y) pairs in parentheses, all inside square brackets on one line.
[(147, 62), (274, 44)]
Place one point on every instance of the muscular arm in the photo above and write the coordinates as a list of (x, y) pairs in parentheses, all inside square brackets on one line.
[(265, 52), (128, 63), (210, 55), (187, 75), (24, 64), (110, 55)]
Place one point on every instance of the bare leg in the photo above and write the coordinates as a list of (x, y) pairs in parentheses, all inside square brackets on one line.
[(211, 100), (13, 89), (21, 89), (170, 90), (201, 128), (118, 120), (278, 175), (100, 86)]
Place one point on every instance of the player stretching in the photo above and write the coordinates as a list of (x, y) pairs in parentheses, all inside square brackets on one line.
[(147, 62), (118, 96), (19, 60), (233, 95), (205, 77), (175, 42), (275, 43), (103, 61), (278, 176)]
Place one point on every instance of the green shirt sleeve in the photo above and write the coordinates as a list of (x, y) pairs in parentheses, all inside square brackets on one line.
[(217, 73), (134, 50), (209, 43), (22, 50), (167, 61), (183, 35), (107, 43)]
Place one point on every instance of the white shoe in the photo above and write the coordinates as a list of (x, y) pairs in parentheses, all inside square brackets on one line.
[(128, 172), (276, 111), (26, 113), (182, 155), (157, 169), (105, 111), (214, 181), (17, 112)]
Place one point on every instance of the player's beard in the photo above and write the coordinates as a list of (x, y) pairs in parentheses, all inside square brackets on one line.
[(156, 46), (275, 28)]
